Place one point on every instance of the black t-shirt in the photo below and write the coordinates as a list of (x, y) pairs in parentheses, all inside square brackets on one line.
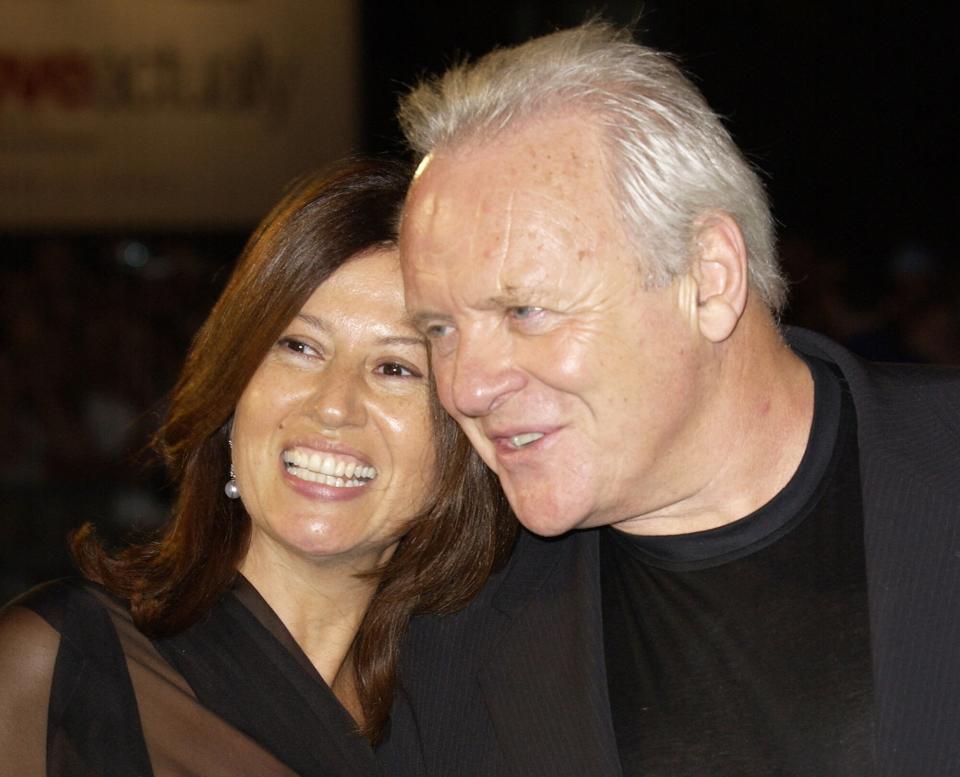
[(745, 650)]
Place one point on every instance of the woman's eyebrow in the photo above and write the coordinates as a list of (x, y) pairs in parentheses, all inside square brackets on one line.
[(402, 340), (318, 323), (314, 321)]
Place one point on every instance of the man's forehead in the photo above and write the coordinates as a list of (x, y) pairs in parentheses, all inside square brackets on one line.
[(506, 196), (521, 239), (550, 152)]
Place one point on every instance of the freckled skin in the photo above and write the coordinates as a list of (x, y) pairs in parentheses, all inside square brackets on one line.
[(616, 374)]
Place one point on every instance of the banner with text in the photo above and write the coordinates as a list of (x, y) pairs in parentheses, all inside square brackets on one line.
[(168, 113)]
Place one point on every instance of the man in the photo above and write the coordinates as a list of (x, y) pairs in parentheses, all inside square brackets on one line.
[(742, 553)]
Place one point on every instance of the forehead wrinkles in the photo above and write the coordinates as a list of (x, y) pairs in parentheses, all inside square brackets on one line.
[(517, 212), (531, 210)]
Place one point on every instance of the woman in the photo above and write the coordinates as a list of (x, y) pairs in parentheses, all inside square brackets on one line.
[(323, 498)]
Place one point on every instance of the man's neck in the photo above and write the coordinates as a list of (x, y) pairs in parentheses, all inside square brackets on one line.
[(752, 438)]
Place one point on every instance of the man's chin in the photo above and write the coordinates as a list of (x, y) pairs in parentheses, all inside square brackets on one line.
[(547, 522), (547, 508)]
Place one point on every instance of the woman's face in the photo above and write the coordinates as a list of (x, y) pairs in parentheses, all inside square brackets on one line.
[(332, 443)]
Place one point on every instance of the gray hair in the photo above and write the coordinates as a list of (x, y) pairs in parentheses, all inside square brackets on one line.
[(671, 158)]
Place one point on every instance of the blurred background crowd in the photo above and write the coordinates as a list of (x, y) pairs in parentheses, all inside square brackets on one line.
[(849, 113)]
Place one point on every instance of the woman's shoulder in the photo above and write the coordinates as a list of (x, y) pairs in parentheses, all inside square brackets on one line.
[(68, 609), (27, 635), (35, 613), (69, 621), (62, 664), (55, 600), (29, 646)]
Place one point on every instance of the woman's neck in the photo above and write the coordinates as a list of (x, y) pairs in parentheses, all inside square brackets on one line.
[(321, 603)]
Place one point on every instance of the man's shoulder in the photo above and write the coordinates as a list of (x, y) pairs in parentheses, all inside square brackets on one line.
[(524, 629), (889, 374), (878, 388), (908, 415), (537, 568)]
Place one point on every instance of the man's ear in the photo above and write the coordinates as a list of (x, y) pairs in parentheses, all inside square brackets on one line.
[(720, 270)]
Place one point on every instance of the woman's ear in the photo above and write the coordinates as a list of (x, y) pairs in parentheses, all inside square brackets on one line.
[(720, 270)]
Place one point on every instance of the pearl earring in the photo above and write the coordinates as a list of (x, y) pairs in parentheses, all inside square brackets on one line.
[(230, 489)]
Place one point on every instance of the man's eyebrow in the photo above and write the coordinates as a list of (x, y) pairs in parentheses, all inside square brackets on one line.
[(514, 295), (420, 320), (511, 297)]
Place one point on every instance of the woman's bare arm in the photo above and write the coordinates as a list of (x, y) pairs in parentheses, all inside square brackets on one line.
[(28, 653)]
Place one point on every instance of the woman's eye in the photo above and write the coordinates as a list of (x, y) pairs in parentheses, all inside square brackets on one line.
[(395, 370), (297, 346)]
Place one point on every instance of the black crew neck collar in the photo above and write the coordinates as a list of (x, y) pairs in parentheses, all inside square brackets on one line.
[(699, 550)]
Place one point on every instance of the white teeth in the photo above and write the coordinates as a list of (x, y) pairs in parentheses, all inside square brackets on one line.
[(329, 466), (328, 469), (327, 480), (519, 440)]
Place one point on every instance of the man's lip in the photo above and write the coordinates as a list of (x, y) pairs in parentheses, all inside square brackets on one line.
[(502, 438)]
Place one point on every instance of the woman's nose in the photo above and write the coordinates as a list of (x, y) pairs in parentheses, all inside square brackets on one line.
[(338, 398)]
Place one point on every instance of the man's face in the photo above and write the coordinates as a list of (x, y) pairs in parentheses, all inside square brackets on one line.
[(577, 386)]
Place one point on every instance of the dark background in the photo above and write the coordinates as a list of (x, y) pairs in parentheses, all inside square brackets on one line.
[(849, 110)]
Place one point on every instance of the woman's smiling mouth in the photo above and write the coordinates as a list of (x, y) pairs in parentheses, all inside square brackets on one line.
[(336, 470)]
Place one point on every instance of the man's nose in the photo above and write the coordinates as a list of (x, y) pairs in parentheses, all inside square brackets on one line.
[(483, 374)]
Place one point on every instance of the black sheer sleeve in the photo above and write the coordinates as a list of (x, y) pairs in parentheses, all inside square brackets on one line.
[(83, 692), (28, 653)]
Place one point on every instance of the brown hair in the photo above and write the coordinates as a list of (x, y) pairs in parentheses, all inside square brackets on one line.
[(449, 550)]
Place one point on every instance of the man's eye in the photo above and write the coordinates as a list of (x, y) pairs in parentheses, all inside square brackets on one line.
[(437, 331), (525, 311)]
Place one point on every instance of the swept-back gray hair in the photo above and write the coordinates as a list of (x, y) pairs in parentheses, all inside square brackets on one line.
[(672, 160)]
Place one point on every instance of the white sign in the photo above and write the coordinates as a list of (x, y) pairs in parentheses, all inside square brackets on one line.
[(168, 113)]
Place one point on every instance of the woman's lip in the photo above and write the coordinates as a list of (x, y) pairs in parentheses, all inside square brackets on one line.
[(315, 490), (312, 464), (322, 445)]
